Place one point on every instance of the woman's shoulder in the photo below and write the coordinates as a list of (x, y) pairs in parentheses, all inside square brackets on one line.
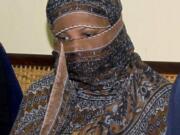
[(34, 105), (44, 82), (37, 91)]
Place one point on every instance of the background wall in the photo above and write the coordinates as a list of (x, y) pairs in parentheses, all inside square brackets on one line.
[(153, 25)]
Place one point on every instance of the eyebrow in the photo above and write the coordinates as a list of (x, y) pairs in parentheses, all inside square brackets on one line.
[(81, 29)]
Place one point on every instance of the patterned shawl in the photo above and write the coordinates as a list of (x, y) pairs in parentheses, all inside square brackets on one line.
[(101, 91)]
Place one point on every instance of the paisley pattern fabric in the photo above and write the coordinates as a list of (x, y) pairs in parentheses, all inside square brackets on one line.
[(140, 107), (109, 91), (109, 8)]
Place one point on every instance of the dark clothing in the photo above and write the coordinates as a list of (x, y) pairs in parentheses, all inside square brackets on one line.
[(10, 94), (174, 110)]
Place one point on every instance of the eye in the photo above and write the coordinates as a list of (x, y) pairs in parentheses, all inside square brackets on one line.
[(62, 37), (89, 34)]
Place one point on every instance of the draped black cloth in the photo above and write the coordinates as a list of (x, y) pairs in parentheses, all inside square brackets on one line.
[(10, 94), (174, 110)]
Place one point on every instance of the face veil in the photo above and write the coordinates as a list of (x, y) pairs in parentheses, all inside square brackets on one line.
[(92, 68)]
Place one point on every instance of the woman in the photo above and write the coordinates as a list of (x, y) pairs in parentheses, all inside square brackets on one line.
[(100, 86), (10, 94)]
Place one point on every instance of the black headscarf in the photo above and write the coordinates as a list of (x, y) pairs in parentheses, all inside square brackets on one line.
[(109, 8)]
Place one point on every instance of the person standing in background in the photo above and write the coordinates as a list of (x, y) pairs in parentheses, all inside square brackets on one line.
[(10, 94), (173, 119)]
